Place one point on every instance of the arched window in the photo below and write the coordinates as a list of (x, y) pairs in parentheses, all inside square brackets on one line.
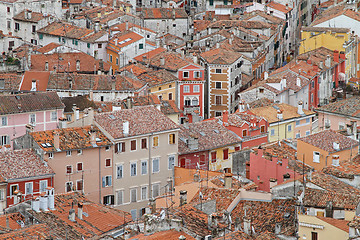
[(187, 101), (195, 101)]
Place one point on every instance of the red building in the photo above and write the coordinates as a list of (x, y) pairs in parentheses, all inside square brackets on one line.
[(274, 164), (25, 174)]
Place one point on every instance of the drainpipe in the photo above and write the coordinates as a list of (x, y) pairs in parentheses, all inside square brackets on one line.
[(326, 160), (100, 180)]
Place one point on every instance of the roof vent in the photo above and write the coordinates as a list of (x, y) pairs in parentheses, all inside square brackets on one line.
[(336, 146)]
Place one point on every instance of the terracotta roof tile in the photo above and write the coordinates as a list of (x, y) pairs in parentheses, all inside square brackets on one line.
[(220, 56), (346, 169), (35, 17), (11, 81), (82, 102), (163, 13), (37, 231), (335, 12), (22, 164), (48, 47), (338, 223), (65, 29), (142, 120), (162, 235), (348, 107), (279, 7), (40, 77)]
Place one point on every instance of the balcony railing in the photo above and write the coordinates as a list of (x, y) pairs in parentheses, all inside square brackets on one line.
[(191, 109)]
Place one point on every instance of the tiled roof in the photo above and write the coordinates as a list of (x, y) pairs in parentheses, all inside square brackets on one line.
[(99, 219), (211, 134), (348, 107), (150, 54), (65, 29), (346, 169), (29, 102), (36, 231), (270, 112), (35, 17), (279, 7), (94, 82), (220, 56), (122, 27), (81, 102), (240, 23), (41, 77), (355, 222), (62, 62), (11, 81), (325, 139), (162, 235), (163, 13), (264, 216), (335, 12), (142, 120), (267, 17), (325, 29), (239, 235), (91, 38), (338, 223), (48, 47), (22, 164), (262, 102), (70, 138), (123, 39), (157, 77), (13, 217)]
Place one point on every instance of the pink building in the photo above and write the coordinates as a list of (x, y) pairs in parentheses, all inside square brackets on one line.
[(40, 109), (272, 165)]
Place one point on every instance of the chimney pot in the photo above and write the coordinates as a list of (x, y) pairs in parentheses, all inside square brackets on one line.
[(228, 180), (183, 197)]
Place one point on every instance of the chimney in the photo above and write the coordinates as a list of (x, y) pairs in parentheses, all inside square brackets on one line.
[(279, 114), (336, 146), (162, 61), (298, 82), (228, 180), (195, 59), (225, 117), (247, 225), (349, 129), (182, 237), (80, 210), (193, 143), (29, 128), (97, 26), (217, 45), (126, 25), (50, 191), (77, 65), (283, 83), (241, 106), (33, 85), (336, 56), (183, 197), (266, 75), (152, 205), (72, 215), (76, 112), (321, 65), (44, 202), (126, 128), (300, 108), (57, 140), (209, 30), (342, 55), (114, 3), (27, 14), (35, 204), (129, 103), (157, 42), (335, 160), (92, 136), (328, 61), (354, 129)]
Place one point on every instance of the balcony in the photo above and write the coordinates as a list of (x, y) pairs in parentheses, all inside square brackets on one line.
[(192, 109)]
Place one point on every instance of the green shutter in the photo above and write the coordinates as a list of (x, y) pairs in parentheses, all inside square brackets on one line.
[(41, 36), (88, 45)]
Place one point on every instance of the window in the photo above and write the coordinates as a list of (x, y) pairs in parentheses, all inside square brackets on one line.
[(218, 100), (107, 148), (2, 194), (17, 26), (79, 166), (272, 132), (143, 143), (13, 188), (4, 121), (108, 162), (213, 157), (54, 116), (187, 102), (155, 190), (174, 25), (76, 42), (4, 140), (51, 155), (107, 181), (297, 135), (197, 74), (307, 133), (244, 133), (141, 46), (144, 193), (196, 88), (314, 236), (111, 58), (33, 28), (88, 45), (133, 169), (172, 138), (108, 200), (186, 88), (133, 195), (185, 74), (120, 147), (308, 120), (171, 162), (170, 96), (117, 61), (68, 169), (119, 171), (79, 152), (68, 153), (133, 145), (120, 197), (262, 129), (226, 154), (195, 101), (32, 118), (289, 128), (144, 167), (155, 141), (43, 185), (8, 9), (218, 70), (8, 24), (79, 185), (316, 157), (99, 45), (218, 85), (68, 186), (28, 188), (297, 123), (156, 165)]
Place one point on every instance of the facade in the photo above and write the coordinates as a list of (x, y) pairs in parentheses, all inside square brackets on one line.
[(40, 109), (81, 158), (145, 152), (325, 148), (25, 175)]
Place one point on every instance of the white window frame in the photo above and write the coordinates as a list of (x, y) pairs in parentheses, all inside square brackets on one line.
[(2, 194), (152, 167), (31, 118), (121, 175), (79, 152), (289, 128), (186, 88), (72, 186), (146, 169), (4, 121), (107, 182), (67, 168), (122, 197), (135, 145), (26, 187), (173, 162), (131, 195), (196, 88), (307, 133), (53, 116), (153, 186), (316, 159), (142, 192), (11, 186), (272, 132), (135, 164), (82, 167), (41, 189), (4, 140), (110, 163), (80, 180), (298, 135), (68, 153), (188, 74), (51, 155)]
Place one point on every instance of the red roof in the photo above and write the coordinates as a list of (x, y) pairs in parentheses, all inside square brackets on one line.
[(42, 79)]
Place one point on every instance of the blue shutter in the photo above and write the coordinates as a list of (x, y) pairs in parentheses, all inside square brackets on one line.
[(103, 181), (110, 180)]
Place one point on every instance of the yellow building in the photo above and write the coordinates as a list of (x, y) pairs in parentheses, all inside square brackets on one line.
[(314, 227), (285, 122), (339, 39)]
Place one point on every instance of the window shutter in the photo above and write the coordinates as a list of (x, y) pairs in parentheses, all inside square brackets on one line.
[(116, 148), (110, 180), (103, 181)]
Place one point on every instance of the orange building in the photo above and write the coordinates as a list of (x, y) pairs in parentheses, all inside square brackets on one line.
[(325, 148)]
